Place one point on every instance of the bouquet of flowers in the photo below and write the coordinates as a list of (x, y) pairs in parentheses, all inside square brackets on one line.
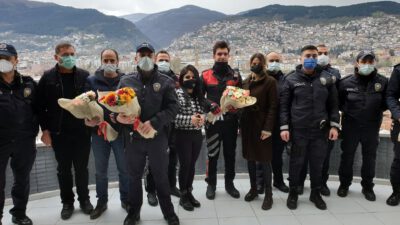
[(124, 101), (85, 106), (232, 98)]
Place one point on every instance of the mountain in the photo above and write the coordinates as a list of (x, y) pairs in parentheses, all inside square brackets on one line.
[(164, 27), (37, 18), (289, 13), (135, 17)]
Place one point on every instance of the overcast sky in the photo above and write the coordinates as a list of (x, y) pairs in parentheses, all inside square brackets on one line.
[(123, 7)]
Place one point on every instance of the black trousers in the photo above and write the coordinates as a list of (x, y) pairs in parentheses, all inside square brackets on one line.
[(225, 133), (150, 185), (325, 167), (188, 147), (22, 154), (353, 134), (72, 150), (137, 149), (395, 169), (308, 144), (266, 171)]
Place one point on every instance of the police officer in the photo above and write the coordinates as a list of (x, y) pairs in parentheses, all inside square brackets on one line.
[(392, 99), (274, 61), (163, 61), (18, 130), (324, 62), (224, 131), (309, 115), (362, 102), (159, 106), (68, 136)]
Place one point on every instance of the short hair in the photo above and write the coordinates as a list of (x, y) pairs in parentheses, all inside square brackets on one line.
[(110, 49), (260, 57), (162, 52), (220, 44), (321, 46), (62, 45), (309, 47)]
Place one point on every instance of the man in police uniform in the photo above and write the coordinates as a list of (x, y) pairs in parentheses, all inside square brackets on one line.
[(18, 130), (163, 63), (362, 102), (324, 62), (309, 116), (159, 106), (224, 131), (392, 99)]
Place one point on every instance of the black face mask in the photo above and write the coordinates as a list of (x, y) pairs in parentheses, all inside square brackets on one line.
[(221, 67), (189, 84), (257, 69)]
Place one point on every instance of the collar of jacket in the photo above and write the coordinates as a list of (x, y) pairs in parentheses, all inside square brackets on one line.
[(17, 81), (299, 70), (277, 75), (370, 77), (230, 72), (153, 74)]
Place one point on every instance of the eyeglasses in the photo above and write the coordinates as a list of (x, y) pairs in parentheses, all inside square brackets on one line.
[(222, 54), (311, 56), (322, 53)]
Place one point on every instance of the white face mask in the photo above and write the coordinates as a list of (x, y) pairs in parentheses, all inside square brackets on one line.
[(146, 64), (6, 66), (323, 60), (109, 68), (366, 69), (164, 66), (274, 67)]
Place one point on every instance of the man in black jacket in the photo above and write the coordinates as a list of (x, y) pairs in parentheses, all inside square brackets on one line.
[(163, 60), (223, 131), (392, 100), (18, 130), (309, 116), (159, 106), (362, 102), (68, 136), (324, 62)]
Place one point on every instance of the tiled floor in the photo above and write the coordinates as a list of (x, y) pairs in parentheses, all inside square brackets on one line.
[(225, 210)]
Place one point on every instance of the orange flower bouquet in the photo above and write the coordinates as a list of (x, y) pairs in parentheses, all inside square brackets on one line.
[(232, 97), (124, 101), (85, 106)]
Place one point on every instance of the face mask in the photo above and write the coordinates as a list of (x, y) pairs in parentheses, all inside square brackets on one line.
[(189, 84), (164, 66), (146, 64), (68, 62), (365, 69), (221, 67), (323, 60), (310, 63), (274, 67), (109, 68), (6, 66), (256, 69)]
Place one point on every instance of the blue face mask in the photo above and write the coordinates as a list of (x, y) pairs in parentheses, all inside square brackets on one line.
[(274, 67), (310, 63)]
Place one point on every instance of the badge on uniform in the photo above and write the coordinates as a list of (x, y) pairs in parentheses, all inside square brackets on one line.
[(378, 86), (156, 87), (323, 80), (27, 92)]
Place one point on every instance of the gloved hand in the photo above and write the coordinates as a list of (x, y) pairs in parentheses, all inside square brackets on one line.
[(215, 109)]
